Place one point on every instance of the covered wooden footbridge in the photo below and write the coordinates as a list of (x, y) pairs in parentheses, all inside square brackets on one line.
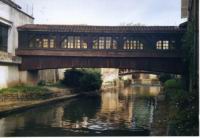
[(148, 48)]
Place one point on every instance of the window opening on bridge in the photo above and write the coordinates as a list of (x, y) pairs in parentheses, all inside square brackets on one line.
[(133, 45), (52, 42), (38, 43), (141, 46), (101, 42), (114, 44), (84, 44), (126, 45), (3, 37), (45, 43), (64, 43), (165, 45), (159, 45), (77, 42), (108, 42), (95, 44), (70, 42), (104, 43), (42, 42), (162, 45), (32, 42)]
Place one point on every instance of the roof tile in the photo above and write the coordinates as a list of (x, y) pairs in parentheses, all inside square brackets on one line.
[(98, 29)]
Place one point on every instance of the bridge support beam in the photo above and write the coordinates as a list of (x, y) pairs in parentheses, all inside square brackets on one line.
[(166, 65)]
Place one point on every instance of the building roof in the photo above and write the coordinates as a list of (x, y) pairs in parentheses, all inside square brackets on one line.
[(15, 6), (11, 3), (98, 29)]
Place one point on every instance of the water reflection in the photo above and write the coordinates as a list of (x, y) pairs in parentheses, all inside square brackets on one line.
[(117, 109)]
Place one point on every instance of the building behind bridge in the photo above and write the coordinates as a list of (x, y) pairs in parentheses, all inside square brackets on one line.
[(12, 16)]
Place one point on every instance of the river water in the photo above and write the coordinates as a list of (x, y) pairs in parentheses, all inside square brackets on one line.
[(117, 112)]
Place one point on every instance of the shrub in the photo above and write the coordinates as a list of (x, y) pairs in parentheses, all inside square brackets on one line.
[(172, 84), (41, 83), (84, 79), (72, 77), (183, 114), (90, 81), (183, 109)]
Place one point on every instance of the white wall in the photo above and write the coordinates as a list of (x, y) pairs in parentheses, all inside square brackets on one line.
[(109, 75), (61, 73), (9, 76)]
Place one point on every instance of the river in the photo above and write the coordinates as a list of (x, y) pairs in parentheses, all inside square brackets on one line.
[(117, 112)]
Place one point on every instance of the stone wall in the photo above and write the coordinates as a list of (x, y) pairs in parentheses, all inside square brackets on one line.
[(49, 75)]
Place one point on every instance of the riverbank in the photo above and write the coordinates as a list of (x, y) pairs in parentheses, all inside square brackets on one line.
[(177, 111), (25, 105), (183, 119), (20, 101), (84, 82), (160, 123)]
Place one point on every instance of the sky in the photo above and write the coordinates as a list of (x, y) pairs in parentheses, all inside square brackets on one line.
[(104, 12)]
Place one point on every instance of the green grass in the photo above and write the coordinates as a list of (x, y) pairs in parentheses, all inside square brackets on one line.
[(24, 89)]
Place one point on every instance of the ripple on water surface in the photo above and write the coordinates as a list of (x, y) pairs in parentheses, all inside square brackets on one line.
[(116, 112)]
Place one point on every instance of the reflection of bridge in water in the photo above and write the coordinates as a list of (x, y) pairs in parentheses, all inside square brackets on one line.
[(139, 77), (149, 48)]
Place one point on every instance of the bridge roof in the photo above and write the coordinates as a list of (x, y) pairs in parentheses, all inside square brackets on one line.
[(100, 29)]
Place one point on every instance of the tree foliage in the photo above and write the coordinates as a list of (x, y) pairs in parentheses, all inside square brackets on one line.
[(183, 104), (183, 110), (83, 79)]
